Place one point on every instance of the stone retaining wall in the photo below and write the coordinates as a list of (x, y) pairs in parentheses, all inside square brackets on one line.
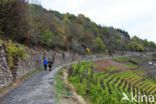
[(34, 60)]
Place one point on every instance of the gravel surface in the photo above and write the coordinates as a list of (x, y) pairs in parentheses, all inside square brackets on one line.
[(38, 89)]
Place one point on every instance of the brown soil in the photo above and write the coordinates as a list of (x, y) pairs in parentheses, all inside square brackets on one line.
[(104, 64)]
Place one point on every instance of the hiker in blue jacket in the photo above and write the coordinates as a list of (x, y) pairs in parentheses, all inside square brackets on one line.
[(45, 63)]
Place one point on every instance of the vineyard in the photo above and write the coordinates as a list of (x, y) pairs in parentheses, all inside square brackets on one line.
[(103, 82)]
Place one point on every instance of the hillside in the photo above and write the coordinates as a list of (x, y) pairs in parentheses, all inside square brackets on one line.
[(33, 25), (108, 81), (48, 57)]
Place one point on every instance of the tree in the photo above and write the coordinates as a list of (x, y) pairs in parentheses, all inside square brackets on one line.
[(135, 46), (47, 37), (99, 46), (13, 19), (33, 25)]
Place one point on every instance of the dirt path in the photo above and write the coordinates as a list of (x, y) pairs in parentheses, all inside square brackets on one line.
[(36, 90)]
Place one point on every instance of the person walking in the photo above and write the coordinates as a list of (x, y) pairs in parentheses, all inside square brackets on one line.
[(63, 56), (50, 64), (45, 63)]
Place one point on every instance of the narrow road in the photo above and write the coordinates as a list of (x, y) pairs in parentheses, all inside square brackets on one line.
[(38, 89)]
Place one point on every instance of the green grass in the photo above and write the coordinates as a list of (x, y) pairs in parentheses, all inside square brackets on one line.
[(121, 59), (126, 60), (60, 87), (112, 69), (131, 66)]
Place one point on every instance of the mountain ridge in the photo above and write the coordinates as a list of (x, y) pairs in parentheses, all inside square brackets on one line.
[(37, 26)]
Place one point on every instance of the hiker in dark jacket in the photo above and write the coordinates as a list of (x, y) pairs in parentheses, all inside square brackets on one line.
[(51, 62), (63, 56), (45, 63)]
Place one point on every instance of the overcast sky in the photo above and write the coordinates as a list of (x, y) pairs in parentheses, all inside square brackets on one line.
[(138, 17)]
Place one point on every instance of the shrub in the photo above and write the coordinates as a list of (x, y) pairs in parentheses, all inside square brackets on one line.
[(14, 52), (135, 46)]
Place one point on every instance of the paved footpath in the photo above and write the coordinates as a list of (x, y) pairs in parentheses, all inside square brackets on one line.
[(39, 89)]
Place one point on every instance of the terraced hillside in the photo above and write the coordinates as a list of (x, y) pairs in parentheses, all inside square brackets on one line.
[(106, 82)]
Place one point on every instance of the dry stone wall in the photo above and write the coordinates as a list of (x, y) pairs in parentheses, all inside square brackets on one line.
[(33, 61)]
